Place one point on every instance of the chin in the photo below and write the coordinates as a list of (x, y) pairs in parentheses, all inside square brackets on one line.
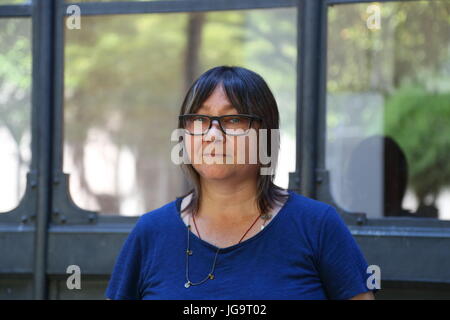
[(215, 171)]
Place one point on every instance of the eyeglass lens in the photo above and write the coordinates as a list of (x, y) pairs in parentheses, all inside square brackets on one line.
[(231, 124)]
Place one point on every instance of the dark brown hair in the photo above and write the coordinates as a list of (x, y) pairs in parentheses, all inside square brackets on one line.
[(249, 94)]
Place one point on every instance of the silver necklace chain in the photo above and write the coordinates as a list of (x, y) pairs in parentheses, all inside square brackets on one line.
[(211, 273)]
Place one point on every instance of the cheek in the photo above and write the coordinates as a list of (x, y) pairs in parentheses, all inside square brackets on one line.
[(193, 146), (245, 149)]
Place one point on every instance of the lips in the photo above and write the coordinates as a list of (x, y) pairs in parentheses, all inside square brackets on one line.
[(215, 155)]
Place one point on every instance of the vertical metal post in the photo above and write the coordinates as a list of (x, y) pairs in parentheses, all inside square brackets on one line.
[(42, 12), (58, 88), (310, 84)]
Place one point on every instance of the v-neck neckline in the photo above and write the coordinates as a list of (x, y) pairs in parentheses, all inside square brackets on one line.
[(237, 245)]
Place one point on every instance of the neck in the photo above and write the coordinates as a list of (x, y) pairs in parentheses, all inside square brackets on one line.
[(221, 202)]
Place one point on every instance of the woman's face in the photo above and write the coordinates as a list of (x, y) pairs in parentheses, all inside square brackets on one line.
[(216, 155)]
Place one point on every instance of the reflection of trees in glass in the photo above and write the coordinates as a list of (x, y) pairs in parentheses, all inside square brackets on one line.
[(263, 41), (407, 61), (408, 44), (419, 121), (3, 2), (92, 0), (126, 76), (15, 90)]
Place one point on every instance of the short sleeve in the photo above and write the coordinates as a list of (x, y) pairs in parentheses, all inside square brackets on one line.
[(342, 266), (124, 283)]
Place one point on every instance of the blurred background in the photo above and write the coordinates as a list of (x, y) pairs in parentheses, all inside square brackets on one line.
[(114, 91)]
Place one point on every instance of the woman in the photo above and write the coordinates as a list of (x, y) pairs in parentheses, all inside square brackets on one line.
[(236, 235)]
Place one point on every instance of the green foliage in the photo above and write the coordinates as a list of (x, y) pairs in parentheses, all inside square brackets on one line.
[(133, 68), (420, 122), (126, 74), (15, 76), (403, 70)]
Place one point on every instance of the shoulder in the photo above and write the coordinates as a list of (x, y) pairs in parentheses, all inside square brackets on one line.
[(157, 218), (320, 225), (308, 209), (313, 217)]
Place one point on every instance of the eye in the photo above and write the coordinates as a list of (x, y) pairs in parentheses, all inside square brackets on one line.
[(234, 120), (199, 119)]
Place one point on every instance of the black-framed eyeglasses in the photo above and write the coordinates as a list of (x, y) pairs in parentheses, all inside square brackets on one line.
[(233, 124)]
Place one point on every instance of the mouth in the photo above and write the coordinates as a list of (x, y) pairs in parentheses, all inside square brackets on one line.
[(215, 155)]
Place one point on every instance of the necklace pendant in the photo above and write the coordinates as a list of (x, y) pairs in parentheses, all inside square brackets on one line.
[(211, 276), (187, 284), (262, 227)]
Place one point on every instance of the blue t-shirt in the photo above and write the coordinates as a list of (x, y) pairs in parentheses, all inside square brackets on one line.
[(305, 252)]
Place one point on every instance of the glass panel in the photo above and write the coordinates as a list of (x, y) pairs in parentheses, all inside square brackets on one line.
[(111, 0), (388, 102), (15, 109), (7, 2), (125, 78)]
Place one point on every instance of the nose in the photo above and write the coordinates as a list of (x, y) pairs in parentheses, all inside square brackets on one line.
[(215, 132)]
